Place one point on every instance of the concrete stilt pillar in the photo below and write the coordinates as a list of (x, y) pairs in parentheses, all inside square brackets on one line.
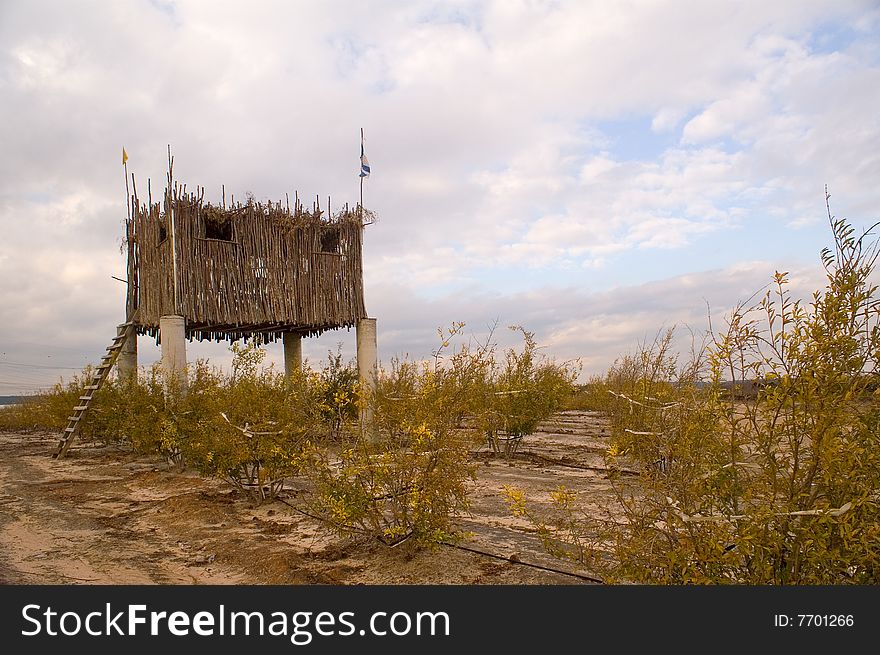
[(173, 333), (368, 364), (127, 362), (293, 353)]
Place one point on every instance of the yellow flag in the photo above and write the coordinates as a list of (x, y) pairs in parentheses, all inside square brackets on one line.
[(124, 156)]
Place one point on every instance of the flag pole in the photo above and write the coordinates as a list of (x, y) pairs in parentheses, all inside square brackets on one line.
[(362, 177), (129, 294), (127, 196), (170, 209)]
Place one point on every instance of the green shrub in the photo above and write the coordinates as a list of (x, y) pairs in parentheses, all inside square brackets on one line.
[(337, 389), (121, 410), (128, 411), (47, 410), (513, 397), (394, 490), (779, 489), (405, 476), (525, 390), (251, 429)]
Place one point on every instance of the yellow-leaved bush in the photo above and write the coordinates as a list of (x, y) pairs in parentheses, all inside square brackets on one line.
[(765, 472)]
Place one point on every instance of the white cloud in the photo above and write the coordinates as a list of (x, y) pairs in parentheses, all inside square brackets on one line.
[(484, 125), (666, 120)]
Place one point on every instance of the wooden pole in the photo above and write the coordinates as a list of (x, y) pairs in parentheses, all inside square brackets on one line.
[(129, 300), (127, 195), (126, 363), (171, 194)]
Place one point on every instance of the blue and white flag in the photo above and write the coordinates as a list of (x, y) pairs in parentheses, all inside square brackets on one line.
[(365, 163)]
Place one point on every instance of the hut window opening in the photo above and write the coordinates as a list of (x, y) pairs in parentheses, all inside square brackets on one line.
[(163, 233), (330, 239), (260, 268), (220, 230)]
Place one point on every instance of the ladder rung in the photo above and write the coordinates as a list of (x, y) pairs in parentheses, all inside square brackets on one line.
[(69, 429), (92, 386), (85, 397), (74, 418), (80, 408)]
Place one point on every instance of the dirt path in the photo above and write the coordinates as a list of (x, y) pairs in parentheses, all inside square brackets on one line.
[(109, 516)]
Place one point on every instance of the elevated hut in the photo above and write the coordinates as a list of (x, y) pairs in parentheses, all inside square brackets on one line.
[(203, 271), (223, 272)]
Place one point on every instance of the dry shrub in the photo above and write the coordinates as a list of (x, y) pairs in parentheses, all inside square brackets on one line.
[(252, 428), (522, 391), (46, 410), (405, 476), (780, 489), (400, 478)]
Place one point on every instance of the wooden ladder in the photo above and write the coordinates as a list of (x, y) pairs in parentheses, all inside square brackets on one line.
[(102, 371)]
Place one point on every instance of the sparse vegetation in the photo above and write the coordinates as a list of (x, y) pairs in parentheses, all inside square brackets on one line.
[(754, 460), (781, 489), (521, 392), (401, 478), (407, 479)]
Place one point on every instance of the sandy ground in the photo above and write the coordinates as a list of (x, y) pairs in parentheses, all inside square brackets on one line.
[(104, 515)]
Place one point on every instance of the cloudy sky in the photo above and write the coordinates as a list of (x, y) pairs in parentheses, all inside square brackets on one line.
[(590, 170)]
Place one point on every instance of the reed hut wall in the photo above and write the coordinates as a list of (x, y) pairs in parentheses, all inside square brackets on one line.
[(244, 270)]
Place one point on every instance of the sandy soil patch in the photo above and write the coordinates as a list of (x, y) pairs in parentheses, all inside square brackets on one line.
[(105, 515)]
